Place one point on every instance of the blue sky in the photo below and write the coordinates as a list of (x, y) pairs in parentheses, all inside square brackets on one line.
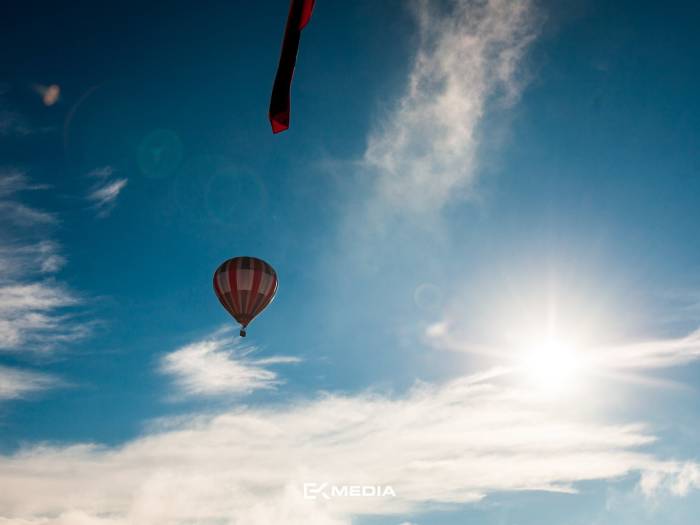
[(484, 223)]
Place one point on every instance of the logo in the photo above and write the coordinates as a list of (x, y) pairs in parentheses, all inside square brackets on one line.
[(326, 491)]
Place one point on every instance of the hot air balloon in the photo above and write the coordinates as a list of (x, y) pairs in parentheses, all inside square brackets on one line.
[(245, 286)]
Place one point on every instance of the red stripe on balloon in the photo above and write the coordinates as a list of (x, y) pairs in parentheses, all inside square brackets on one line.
[(253, 299), (220, 294), (233, 286), (262, 293)]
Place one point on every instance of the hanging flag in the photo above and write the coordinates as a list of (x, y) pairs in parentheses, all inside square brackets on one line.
[(299, 16)]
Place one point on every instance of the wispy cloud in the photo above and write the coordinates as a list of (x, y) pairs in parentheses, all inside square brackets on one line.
[(12, 123), (13, 180), (220, 365), (436, 445), (43, 257), (30, 316), (422, 153), (105, 196), (425, 152), (16, 383), (35, 309), (22, 215), (659, 353), (103, 172), (643, 355), (104, 193)]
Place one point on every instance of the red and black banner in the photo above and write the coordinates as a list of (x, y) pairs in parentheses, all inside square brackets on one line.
[(299, 15)]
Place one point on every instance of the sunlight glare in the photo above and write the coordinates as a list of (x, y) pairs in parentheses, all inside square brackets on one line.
[(551, 366)]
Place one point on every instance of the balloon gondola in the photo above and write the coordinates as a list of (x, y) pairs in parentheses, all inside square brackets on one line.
[(245, 286)]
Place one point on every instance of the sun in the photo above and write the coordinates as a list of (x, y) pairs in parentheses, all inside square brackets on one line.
[(551, 366)]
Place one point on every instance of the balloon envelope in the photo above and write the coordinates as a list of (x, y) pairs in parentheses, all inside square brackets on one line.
[(245, 286)]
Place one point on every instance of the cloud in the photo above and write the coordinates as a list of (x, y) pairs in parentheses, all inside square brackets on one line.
[(35, 309), (30, 316), (425, 152), (13, 181), (101, 173), (16, 384), (660, 353), (42, 257), (677, 481), (12, 123), (22, 215), (436, 445), (104, 194), (422, 153), (107, 194), (218, 365), (644, 355)]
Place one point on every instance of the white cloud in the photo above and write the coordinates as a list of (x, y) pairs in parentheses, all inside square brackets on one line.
[(104, 194), (15, 383), (13, 180), (436, 445), (23, 215), (425, 151), (102, 173), (34, 308), (30, 316), (219, 365), (107, 193), (677, 481), (660, 353), (18, 259), (422, 153), (644, 355)]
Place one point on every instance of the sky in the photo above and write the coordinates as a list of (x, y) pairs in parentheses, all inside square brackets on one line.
[(484, 223)]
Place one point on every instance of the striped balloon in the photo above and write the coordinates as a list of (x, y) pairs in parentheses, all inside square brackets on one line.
[(245, 286)]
